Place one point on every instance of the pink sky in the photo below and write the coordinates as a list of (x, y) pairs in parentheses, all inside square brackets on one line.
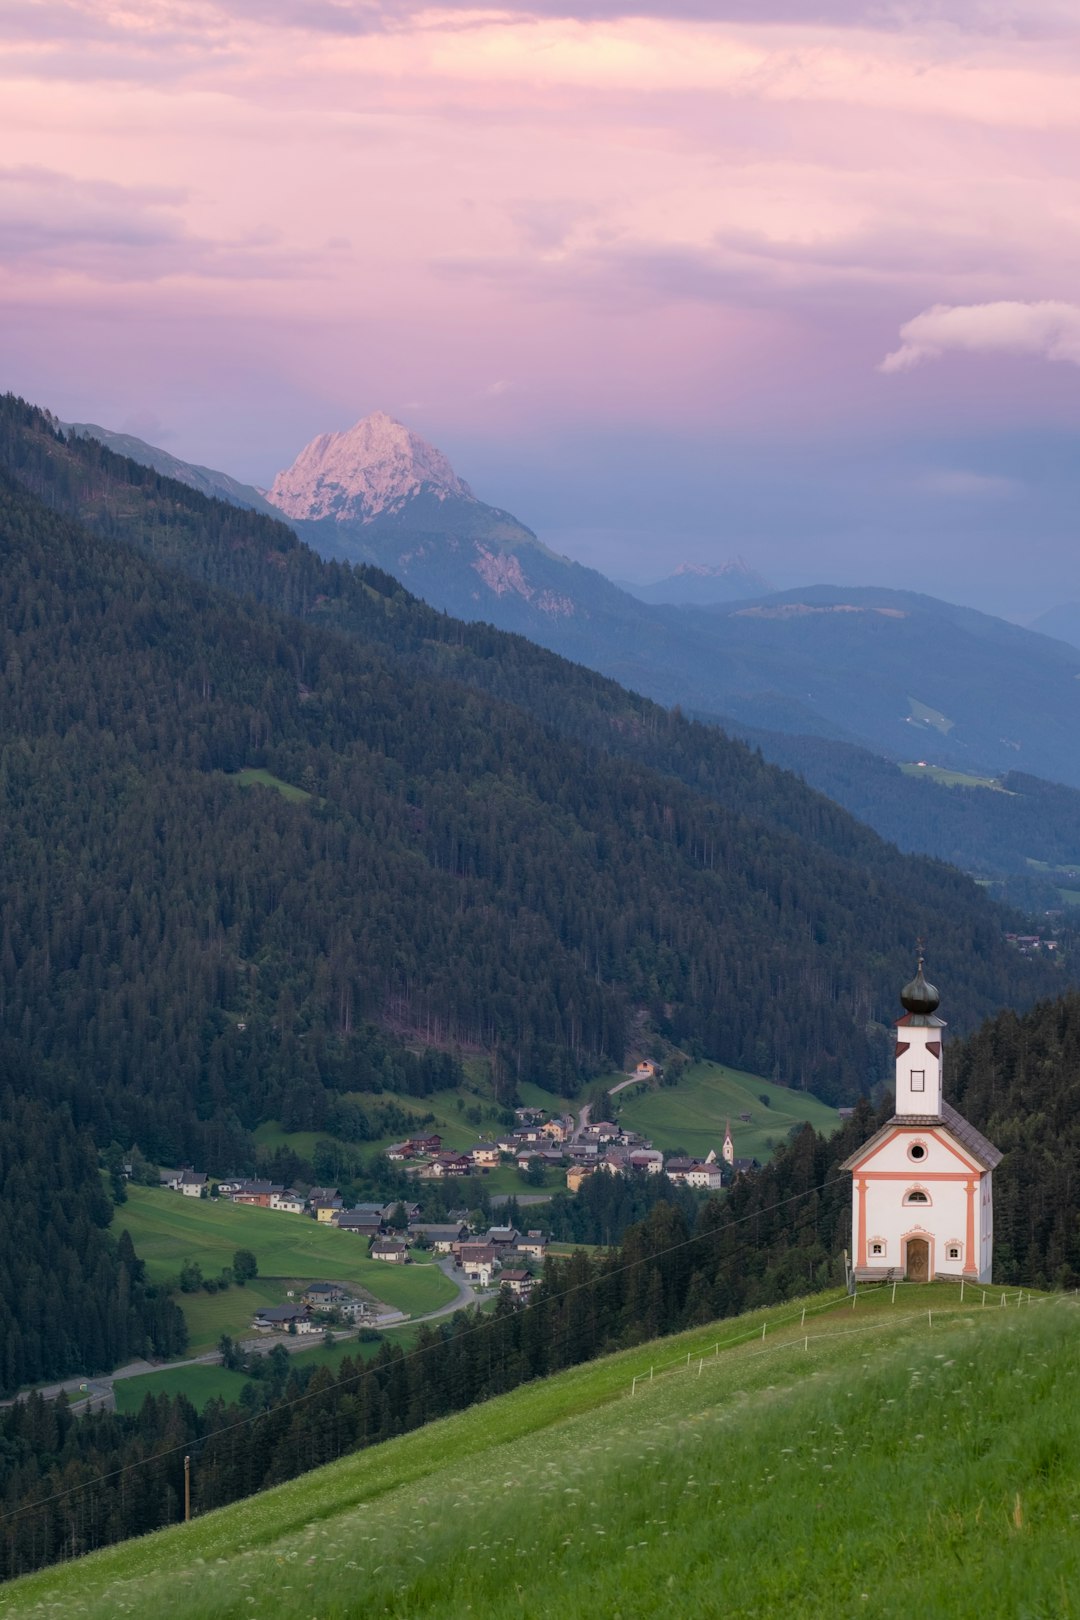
[(695, 237)]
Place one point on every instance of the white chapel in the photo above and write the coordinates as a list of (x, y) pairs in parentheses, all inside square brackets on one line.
[(921, 1196)]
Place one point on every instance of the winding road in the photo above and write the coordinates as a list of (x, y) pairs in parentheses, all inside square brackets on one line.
[(97, 1394)]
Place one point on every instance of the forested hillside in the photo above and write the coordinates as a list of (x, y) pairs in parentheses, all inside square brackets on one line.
[(250, 555), (990, 835), (995, 832), (72, 1299), (195, 956), (1018, 1078)]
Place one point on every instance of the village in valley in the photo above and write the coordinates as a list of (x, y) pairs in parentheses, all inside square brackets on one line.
[(502, 1259)]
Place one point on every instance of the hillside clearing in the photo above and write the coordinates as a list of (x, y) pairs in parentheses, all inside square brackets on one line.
[(255, 776), (947, 778), (693, 1113), (167, 1229), (877, 1459)]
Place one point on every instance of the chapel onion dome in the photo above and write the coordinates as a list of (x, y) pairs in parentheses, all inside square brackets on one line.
[(920, 996)]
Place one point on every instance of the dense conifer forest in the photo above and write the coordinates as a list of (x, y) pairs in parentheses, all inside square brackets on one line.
[(72, 1297)]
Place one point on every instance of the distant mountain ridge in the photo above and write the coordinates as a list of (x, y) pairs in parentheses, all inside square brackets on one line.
[(896, 672), (702, 584), (218, 485), (1062, 621)]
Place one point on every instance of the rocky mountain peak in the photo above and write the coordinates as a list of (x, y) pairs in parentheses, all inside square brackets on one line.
[(372, 468)]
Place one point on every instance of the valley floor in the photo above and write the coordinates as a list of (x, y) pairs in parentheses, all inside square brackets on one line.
[(918, 1455)]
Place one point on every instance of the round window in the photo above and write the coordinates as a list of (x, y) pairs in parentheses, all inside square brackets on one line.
[(917, 1151)]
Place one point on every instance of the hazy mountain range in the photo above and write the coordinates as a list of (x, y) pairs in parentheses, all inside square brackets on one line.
[(1062, 621), (898, 672), (701, 584)]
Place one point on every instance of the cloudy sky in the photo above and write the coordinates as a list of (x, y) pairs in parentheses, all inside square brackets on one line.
[(796, 279)]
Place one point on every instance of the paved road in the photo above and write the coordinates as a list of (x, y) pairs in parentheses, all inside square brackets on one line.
[(466, 1295), (634, 1080), (97, 1395)]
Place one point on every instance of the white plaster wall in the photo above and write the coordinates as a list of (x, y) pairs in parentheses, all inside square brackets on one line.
[(943, 1220), (927, 1101)]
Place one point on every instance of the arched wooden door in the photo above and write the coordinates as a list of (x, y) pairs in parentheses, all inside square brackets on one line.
[(918, 1260)]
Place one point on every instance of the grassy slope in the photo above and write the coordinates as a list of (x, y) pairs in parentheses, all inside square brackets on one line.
[(692, 1114), (947, 778), (167, 1229), (255, 776), (455, 1130), (888, 1465)]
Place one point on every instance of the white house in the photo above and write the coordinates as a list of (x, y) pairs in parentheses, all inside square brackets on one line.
[(922, 1196), (190, 1182), (288, 1200), (706, 1174)]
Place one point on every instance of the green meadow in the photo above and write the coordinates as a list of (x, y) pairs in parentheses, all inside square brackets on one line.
[(889, 1458), (449, 1121), (1067, 895), (946, 778), (198, 1383), (926, 716), (693, 1113), (292, 1250), (201, 1383), (255, 776)]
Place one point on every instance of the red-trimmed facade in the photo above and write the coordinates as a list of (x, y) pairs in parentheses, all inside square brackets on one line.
[(922, 1195)]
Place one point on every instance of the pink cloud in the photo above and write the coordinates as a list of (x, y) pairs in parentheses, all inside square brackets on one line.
[(1047, 329), (623, 208)]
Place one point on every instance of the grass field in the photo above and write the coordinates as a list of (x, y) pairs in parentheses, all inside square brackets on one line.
[(291, 1249), (199, 1384), (449, 1121), (530, 1096), (692, 1114), (946, 778), (916, 1457), (924, 715), (252, 776), (1068, 895)]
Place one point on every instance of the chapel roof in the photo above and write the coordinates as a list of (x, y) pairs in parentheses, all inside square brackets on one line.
[(985, 1154)]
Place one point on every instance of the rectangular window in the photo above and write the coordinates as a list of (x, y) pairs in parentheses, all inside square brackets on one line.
[(918, 1079), (877, 1248)]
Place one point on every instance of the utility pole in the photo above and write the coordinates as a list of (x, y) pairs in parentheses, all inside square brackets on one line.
[(187, 1490)]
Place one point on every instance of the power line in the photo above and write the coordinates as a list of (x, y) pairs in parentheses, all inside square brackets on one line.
[(419, 1350)]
